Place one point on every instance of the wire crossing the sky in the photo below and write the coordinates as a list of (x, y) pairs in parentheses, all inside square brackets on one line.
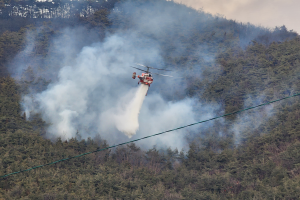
[(148, 136)]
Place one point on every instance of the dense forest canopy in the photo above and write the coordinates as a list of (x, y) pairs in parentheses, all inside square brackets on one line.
[(224, 66)]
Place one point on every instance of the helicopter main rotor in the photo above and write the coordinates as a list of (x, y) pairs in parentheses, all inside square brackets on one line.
[(152, 72), (151, 67)]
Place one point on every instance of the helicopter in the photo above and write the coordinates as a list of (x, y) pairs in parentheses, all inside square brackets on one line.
[(146, 78)]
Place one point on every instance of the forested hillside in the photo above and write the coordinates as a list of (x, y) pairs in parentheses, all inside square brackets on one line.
[(251, 155)]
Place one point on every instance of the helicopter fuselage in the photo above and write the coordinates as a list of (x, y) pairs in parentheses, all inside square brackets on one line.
[(145, 79)]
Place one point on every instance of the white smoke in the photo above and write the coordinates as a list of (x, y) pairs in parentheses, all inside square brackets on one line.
[(97, 96), (92, 92), (249, 121)]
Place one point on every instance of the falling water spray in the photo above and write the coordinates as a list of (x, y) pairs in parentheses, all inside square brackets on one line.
[(127, 121)]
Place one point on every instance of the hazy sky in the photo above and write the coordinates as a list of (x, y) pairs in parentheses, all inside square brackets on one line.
[(268, 13)]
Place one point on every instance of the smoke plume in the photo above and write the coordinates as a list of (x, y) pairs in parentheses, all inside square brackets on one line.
[(247, 123), (94, 94), (91, 91)]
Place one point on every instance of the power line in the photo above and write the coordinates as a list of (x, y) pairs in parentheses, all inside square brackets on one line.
[(35, 167)]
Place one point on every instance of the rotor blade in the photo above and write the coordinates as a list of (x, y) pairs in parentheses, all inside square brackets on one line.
[(166, 75), (141, 65), (152, 67), (161, 69), (139, 69), (161, 74)]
